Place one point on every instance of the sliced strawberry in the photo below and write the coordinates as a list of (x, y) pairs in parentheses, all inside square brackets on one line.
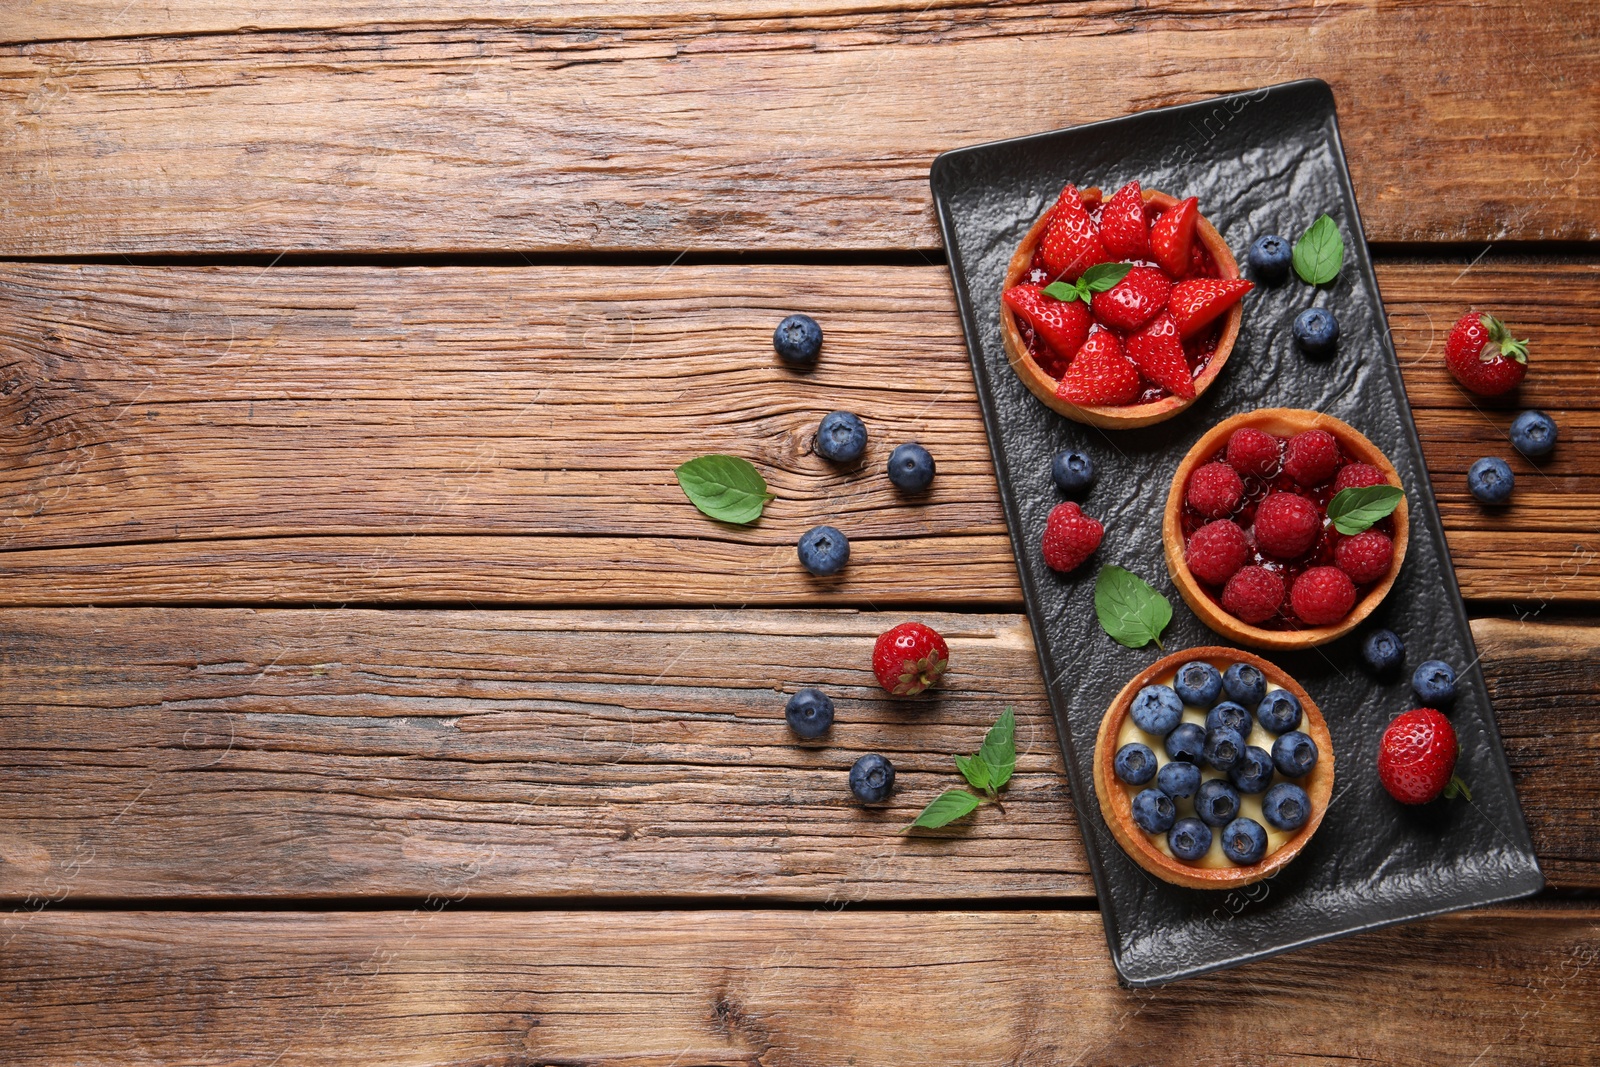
[(1063, 324), (1133, 301), (1071, 244), (1196, 303), (1172, 235), (1158, 353), (1100, 373), (1122, 227)]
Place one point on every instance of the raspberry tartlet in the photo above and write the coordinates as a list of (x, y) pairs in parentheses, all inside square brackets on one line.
[(1143, 350), (1213, 768), (1248, 539)]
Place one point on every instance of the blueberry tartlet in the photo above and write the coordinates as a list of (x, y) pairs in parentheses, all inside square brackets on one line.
[(1213, 768)]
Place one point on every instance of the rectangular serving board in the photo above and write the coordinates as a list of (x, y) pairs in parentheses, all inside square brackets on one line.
[(1267, 161)]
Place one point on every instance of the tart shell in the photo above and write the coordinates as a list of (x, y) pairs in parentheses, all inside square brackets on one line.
[(1282, 422), (1129, 416), (1116, 806)]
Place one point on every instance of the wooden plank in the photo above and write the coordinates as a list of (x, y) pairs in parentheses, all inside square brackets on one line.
[(329, 435), (815, 131), (772, 989), (230, 753)]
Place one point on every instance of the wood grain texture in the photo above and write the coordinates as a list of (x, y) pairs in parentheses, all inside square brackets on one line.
[(487, 435), (625, 130), (235, 754), (772, 989)]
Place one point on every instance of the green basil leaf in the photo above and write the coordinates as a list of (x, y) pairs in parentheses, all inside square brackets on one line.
[(1103, 276), (1319, 255), (975, 771), (1354, 510), (1130, 611), (727, 488), (999, 750), (1062, 291), (949, 806)]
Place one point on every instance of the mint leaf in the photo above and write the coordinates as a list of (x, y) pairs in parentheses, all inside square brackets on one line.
[(1130, 611), (949, 806), (727, 488), (1354, 510), (999, 751), (1103, 276), (1319, 255), (1062, 290), (975, 771)]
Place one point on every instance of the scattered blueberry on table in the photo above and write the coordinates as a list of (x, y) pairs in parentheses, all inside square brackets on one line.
[(841, 438), (911, 468), (1434, 683), (1533, 433), (871, 778), (1072, 471), (1269, 258), (824, 550), (798, 340), (809, 713), (1384, 651), (1316, 331), (1490, 480)]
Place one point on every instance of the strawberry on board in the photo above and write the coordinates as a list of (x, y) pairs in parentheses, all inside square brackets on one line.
[(1100, 373), (1071, 243), (1196, 303), (1158, 353), (1483, 356), (1061, 324), (1173, 234), (909, 658), (1122, 227), (1417, 758)]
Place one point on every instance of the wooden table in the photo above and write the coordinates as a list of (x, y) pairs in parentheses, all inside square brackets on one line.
[(370, 693)]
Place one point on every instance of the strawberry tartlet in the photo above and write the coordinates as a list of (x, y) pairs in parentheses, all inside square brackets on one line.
[(1277, 531), (1118, 312)]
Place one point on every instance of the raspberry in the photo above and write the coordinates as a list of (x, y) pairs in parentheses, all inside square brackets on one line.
[(1070, 537), (1364, 557), (1216, 551), (1253, 451), (1322, 596), (1311, 458), (1253, 595), (1215, 490), (1357, 476), (1287, 525)]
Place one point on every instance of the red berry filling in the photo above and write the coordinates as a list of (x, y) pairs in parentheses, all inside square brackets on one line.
[(1296, 570)]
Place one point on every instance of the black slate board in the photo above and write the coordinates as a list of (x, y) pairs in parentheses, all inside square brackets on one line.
[(1267, 161)]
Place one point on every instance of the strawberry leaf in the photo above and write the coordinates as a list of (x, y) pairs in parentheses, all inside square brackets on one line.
[(1456, 787), (1354, 510), (1103, 276), (949, 806), (727, 488), (1319, 255), (1130, 611)]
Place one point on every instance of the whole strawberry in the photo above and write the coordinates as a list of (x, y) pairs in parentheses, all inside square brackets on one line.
[(1483, 356), (1417, 758), (909, 658), (1070, 537)]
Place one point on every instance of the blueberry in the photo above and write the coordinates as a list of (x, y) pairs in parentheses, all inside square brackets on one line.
[(1316, 331), (1533, 433), (1435, 683), (1245, 684), (1294, 754), (1253, 772), (871, 778), (910, 468), (798, 339), (1198, 683), (1490, 480), (1269, 259), (1286, 806), (1189, 839), (1244, 841), (841, 438), (1216, 802), (1072, 471), (1384, 651), (1223, 748), (1187, 743), (1228, 715), (1154, 811), (810, 713), (1279, 711), (1178, 779), (824, 550), (1156, 710), (1135, 763)]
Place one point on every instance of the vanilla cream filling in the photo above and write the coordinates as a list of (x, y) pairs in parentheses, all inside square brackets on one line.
[(1249, 804)]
